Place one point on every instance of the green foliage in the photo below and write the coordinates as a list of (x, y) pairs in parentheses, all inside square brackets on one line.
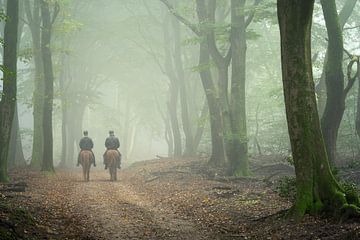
[(290, 160), (25, 54), (251, 34), (286, 187), (3, 16), (351, 192)]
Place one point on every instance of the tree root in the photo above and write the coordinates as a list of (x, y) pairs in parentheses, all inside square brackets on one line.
[(349, 211)]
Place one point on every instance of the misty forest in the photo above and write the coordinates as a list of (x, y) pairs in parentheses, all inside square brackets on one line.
[(192, 119)]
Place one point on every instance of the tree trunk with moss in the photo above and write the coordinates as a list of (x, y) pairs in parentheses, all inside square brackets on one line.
[(8, 97), (317, 189)]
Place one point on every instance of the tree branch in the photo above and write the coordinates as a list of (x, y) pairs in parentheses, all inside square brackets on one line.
[(28, 12), (252, 13), (351, 79), (56, 13), (181, 18), (213, 49)]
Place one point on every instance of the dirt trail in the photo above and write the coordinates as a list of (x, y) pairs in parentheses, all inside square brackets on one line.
[(164, 199), (111, 210)]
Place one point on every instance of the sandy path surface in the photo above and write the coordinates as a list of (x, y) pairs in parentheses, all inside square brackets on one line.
[(110, 210)]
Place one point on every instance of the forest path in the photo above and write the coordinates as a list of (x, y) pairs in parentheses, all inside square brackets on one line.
[(164, 199), (111, 210)]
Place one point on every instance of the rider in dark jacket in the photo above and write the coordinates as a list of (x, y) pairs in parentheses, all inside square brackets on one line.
[(112, 143), (86, 143)]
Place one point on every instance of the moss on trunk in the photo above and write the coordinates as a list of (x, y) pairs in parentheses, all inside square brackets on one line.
[(317, 189)]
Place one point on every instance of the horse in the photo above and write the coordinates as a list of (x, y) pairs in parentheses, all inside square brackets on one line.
[(112, 156), (85, 161)]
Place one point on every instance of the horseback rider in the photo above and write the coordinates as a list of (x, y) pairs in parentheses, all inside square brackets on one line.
[(86, 143), (112, 143)]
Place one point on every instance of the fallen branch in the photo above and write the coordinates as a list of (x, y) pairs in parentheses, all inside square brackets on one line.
[(13, 187)]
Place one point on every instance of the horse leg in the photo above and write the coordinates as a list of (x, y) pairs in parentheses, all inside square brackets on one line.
[(84, 172), (88, 173)]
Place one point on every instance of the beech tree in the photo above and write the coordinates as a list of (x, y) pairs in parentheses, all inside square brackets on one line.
[(8, 96), (47, 21), (317, 189), (334, 79), (32, 10)]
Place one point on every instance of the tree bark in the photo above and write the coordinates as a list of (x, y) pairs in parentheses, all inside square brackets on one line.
[(334, 79), (34, 20), (178, 64), (16, 156), (201, 126), (172, 104), (238, 161), (47, 163), (317, 189), (8, 97), (344, 15), (218, 152)]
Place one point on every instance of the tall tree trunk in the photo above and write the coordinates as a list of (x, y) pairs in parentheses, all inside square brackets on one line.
[(344, 15), (238, 161), (215, 97), (172, 104), (317, 190), (33, 17), (64, 112), (334, 78), (16, 156), (218, 152), (47, 164), (218, 155), (201, 124), (169, 137), (178, 64), (8, 97), (357, 120), (126, 131)]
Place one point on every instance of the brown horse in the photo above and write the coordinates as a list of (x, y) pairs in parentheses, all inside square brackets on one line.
[(112, 156), (85, 161)]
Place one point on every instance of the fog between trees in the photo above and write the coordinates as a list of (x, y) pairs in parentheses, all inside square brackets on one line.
[(173, 79), (110, 67)]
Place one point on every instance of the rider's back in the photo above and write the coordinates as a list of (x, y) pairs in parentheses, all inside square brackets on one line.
[(112, 142), (86, 143)]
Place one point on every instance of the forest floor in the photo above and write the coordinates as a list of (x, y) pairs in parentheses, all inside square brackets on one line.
[(158, 199)]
